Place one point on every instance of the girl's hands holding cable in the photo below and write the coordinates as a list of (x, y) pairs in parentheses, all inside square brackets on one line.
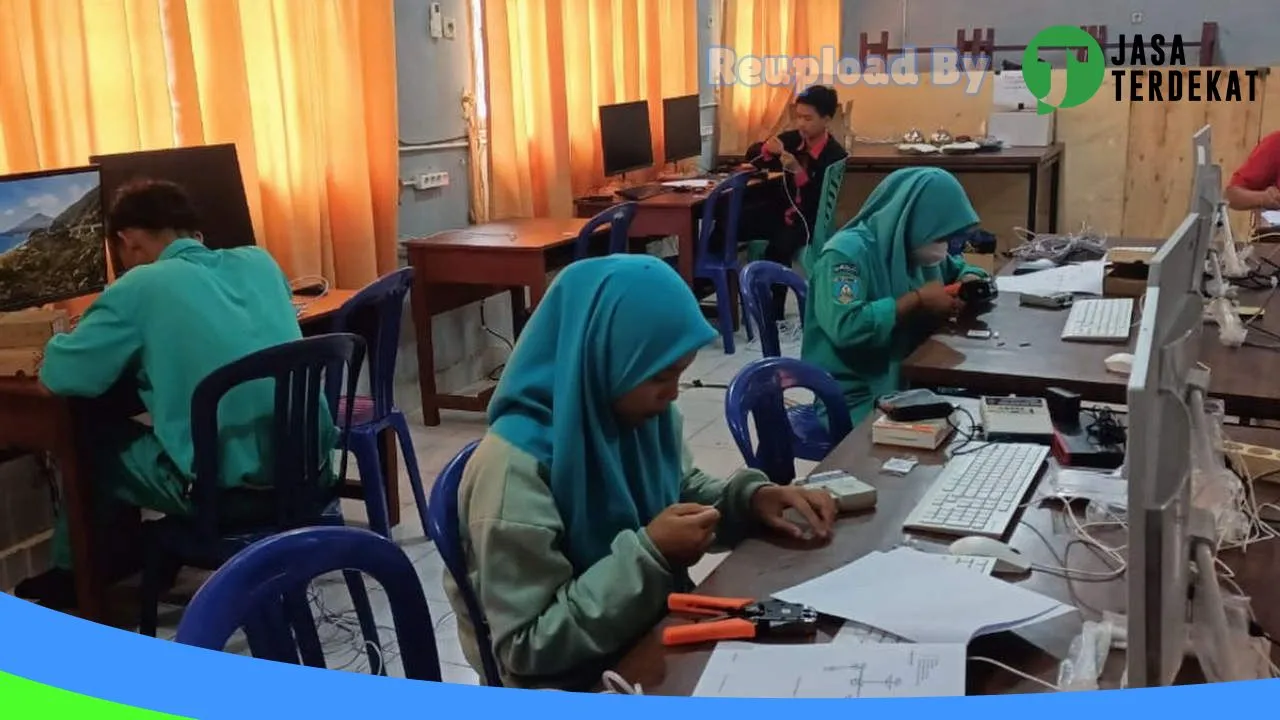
[(683, 532)]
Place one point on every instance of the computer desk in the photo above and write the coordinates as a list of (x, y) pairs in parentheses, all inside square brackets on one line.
[(1029, 357), (678, 214), (456, 268), (762, 566), (1040, 165), (34, 420)]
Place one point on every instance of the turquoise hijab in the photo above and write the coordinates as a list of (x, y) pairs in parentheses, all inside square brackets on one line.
[(605, 326), (909, 209)]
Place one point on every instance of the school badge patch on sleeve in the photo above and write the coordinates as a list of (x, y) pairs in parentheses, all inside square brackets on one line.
[(845, 283)]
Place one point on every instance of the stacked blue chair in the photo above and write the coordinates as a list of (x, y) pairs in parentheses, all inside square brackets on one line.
[(375, 313), (720, 265), (263, 591), (446, 534), (784, 434), (757, 283), (618, 219), (308, 380)]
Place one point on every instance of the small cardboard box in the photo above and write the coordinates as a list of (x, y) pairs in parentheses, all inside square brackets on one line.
[(21, 362), (30, 328), (1126, 275)]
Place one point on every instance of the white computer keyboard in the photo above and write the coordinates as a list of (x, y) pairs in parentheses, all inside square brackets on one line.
[(1106, 320), (979, 493)]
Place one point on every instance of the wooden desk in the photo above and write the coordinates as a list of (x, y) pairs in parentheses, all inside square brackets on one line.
[(1029, 357), (34, 420), (760, 567), (456, 268), (1039, 164), (678, 214)]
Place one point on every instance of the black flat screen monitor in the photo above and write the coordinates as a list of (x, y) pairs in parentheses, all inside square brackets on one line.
[(682, 127), (52, 242), (209, 173), (625, 139)]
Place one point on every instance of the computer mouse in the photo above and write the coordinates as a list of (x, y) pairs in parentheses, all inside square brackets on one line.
[(1120, 363), (1008, 560)]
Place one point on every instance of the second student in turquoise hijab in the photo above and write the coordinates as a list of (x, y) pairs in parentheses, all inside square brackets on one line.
[(877, 289), (582, 509)]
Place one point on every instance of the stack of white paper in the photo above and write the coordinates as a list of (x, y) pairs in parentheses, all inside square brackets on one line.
[(745, 670), (908, 593), (1085, 278)]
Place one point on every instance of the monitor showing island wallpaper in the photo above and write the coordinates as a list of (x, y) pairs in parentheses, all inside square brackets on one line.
[(52, 240)]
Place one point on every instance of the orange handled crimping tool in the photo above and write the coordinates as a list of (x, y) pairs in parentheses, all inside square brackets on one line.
[(737, 619)]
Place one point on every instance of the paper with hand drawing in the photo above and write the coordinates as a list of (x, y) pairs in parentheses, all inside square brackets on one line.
[(1084, 278), (750, 670)]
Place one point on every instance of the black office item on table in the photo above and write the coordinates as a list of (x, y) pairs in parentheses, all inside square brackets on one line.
[(625, 138), (1092, 439), (915, 406), (682, 127), (209, 173), (1064, 405), (52, 242)]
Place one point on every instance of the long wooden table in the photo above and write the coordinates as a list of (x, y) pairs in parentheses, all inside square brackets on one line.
[(762, 566), (34, 420), (1041, 165), (678, 213), (1029, 356)]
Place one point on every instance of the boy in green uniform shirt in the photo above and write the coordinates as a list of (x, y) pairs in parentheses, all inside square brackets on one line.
[(179, 312)]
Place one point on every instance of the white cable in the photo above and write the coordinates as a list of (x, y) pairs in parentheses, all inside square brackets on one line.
[(1019, 673), (615, 685), (1055, 247)]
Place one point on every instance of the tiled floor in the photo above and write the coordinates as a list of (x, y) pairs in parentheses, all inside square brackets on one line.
[(705, 430)]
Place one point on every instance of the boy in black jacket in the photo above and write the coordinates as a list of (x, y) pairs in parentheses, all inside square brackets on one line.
[(804, 154)]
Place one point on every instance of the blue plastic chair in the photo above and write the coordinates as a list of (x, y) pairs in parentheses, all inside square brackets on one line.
[(307, 376), (444, 532), (375, 313), (756, 284), (618, 219), (263, 589), (720, 267), (784, 433)]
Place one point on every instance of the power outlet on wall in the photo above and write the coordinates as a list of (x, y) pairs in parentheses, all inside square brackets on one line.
[(708, 131), (450, 28), (435, 20), (430, 180)]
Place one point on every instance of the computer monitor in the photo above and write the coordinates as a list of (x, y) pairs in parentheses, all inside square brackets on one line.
[(625, 139), (682, 127), (1165, 398), (209, 173), (52, 243)]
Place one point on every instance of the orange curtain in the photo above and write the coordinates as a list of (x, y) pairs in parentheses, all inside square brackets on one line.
[(769, 28), (550, 64), (304, 88)]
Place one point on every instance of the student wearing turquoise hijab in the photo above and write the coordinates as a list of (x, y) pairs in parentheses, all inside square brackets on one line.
[(877, 289), (581, 509)]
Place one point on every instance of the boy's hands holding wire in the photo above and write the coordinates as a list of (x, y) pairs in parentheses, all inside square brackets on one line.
[(816, 507), (683, 532)]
